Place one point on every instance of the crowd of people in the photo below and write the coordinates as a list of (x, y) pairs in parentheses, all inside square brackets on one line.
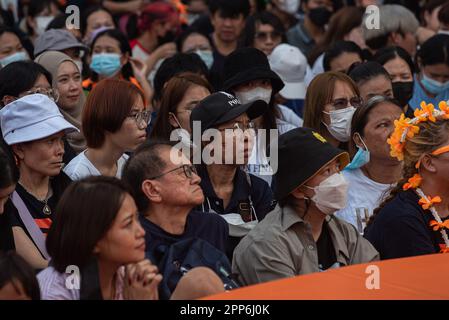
[(173, 149)]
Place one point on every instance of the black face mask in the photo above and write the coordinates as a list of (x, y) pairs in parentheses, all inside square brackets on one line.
[(403, 92), (320, 16), (169, 37)]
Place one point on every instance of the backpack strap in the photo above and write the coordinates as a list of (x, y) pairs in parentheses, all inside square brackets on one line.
[(30, 225)]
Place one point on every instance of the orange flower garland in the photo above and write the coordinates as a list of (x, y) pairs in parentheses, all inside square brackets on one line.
[(407, 128)]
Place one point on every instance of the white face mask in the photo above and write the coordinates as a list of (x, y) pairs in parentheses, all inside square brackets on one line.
[(331, 194), (340, 127), (289, 6), (258, 93), (42, 23)]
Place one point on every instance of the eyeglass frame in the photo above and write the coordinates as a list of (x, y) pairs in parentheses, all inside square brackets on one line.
[(185, 167), (349, 102), (145, 115), (53, 94), (263, 35), (249, 126)]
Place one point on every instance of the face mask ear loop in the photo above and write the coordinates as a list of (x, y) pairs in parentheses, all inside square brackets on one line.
[(363, 142), (176, 119)]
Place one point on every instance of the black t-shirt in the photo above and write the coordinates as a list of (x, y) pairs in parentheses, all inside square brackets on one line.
[(206, 226), (6, 236), (35, 207), (401, 229), (325, 248)]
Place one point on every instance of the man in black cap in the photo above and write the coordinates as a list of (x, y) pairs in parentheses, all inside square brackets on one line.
[(301, 235), (242, 199)]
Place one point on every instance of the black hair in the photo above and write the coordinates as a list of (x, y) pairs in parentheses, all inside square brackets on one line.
[(443, 14), (86, 13), (435, 50), (265, 17), (19, 77), (24, 40), (366, 71), (433, 4), (180, 62), (390, 53), (146, 162), (59, 22), (337, 49), (127, 71), (84, 214), (14, 268), (229, 8), (9, 172), (187, 33)]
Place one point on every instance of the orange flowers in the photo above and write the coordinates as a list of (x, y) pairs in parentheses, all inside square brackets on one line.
[(404, 128), (444, 108), (427, 202), (426, 112), (413, 183), (437, 226), (444, 248)]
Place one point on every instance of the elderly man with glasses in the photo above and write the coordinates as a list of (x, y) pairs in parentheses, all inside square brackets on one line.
[(166, 188)]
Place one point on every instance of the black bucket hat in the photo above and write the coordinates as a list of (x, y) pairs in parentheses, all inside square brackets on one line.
[(221, 107), (246, 64), (302, 152)]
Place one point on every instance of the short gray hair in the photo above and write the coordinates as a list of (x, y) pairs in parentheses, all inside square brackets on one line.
[(392, 18)]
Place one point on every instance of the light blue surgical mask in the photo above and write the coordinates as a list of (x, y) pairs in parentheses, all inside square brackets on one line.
[(18, 56), (361, 158), (207, 57), (434, 86), (106, 64)]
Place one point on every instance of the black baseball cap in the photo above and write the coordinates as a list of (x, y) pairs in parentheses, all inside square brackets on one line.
[(302, 152), (221, 107)]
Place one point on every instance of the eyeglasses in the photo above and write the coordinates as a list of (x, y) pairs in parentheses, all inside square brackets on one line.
[(189, 170), (51, 93), (240, 126), (343, 103), (141, 117), (275, 35)]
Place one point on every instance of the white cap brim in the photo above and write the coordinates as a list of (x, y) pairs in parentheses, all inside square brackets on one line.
[(293, 90), (39, 130)]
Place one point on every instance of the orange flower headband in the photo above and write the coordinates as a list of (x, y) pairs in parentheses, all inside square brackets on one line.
[(407, 128)]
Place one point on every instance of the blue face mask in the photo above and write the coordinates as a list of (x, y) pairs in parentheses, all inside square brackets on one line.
[(207, 57), (361, 158), (18, 56), (106, 64), (434, 86)]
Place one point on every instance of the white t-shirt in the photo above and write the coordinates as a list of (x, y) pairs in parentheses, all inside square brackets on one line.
[(258, 164), (364, 194), (141, 54), (81, 167)]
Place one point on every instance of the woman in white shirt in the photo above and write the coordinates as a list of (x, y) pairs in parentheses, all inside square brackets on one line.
[(114, 121), (372, 171)]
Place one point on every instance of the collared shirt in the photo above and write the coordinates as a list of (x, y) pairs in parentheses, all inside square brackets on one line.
[(261, 199), (282, 245), (299, 37), (260, 192)]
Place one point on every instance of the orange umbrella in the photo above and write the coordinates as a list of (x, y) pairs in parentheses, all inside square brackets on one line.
[(422, 277)]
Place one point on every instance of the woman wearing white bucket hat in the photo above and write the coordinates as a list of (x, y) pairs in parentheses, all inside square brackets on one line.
[(33, 127)]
